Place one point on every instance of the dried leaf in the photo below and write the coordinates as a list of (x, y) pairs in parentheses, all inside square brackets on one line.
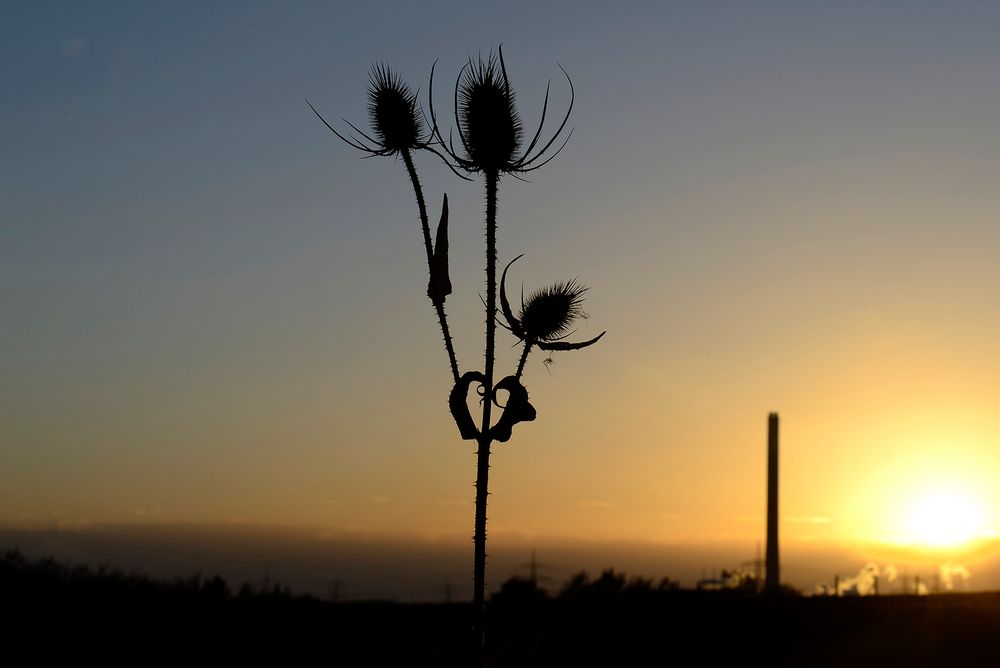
[(460, 408), (517, 409), (439, 286)]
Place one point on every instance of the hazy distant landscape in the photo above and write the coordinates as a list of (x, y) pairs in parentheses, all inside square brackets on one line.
[(373, 566)]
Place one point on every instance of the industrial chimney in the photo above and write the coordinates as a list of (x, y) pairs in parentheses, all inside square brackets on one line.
[(771, 556)]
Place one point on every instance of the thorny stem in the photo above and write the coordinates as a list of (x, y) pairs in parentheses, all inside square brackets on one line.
[(438, 305), (524, 358), (479, 578), (483, 466)]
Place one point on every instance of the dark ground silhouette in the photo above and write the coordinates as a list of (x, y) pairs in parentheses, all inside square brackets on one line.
[(55, 611)]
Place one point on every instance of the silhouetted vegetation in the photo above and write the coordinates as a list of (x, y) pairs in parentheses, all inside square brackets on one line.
[(613, 586), (22, 578), (56, 611), (61, 612)]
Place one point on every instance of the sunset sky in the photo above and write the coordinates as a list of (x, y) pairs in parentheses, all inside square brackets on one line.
[(214, 311)]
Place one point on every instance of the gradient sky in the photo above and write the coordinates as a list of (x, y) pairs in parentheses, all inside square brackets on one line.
[(213, 310)]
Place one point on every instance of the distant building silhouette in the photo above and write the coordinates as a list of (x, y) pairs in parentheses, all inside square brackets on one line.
[(772, 581), (757, 564)]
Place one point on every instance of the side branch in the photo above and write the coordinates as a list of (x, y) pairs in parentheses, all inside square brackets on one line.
[(429, 249), (524, 358)]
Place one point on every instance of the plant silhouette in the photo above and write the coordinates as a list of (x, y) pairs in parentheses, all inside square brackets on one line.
[(491, 139)]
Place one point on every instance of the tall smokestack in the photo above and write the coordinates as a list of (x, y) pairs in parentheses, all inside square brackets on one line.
[(773, 574)]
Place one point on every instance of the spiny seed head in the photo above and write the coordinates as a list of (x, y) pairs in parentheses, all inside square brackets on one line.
[(488, 116), (489, 126), (547, 314), (392, 107)]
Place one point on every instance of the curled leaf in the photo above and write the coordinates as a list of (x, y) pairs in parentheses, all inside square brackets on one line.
[(565, 345), (518, 409), (460, 409)]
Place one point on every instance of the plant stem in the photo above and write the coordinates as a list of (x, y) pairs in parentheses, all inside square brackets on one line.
[(524, 358), (438, 306), (479, 578), (483, 464)]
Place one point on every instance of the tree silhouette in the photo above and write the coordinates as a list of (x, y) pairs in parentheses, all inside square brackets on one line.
[(491, 144)]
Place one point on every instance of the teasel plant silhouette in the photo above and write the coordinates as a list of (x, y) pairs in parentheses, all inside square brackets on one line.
[(491, 145)]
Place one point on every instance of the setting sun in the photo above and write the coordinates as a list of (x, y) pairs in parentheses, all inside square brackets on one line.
[(945, 519)]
